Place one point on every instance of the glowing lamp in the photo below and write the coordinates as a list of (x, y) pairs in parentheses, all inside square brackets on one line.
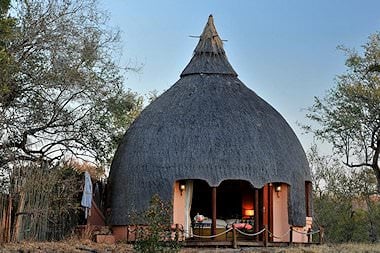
[(249, 212), (182, 186)]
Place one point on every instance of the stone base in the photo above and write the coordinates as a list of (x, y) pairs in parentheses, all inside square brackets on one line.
[(107, 239)]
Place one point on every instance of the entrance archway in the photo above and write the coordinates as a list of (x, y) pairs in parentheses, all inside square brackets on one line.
[(233, 201)]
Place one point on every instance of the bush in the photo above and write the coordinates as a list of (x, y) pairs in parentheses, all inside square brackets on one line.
[(157, 236)]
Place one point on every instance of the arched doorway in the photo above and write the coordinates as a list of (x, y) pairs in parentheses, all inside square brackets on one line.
[(232, 202)]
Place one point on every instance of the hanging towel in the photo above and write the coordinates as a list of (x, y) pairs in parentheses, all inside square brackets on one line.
[(87, 193)]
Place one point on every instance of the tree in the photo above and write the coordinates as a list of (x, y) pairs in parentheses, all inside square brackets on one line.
[(343, 202), (66, 97), (348, 116), (7, 25), (61, 97)]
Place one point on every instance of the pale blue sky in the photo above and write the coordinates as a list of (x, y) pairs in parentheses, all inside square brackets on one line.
[(283, 50)]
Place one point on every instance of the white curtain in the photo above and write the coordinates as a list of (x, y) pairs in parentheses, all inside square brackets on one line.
[(87, 194), (188, 200)]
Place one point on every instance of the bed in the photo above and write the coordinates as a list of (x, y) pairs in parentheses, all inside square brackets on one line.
[(203, 228)]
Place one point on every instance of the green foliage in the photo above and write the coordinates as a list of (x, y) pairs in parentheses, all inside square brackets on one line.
[(344, 203), (348, 116), (65, 98), (157, 236), (7, 65), (61, 98), (341, 222)]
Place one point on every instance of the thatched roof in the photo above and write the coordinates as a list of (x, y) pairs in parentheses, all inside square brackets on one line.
[(208, 126), (209, 56)]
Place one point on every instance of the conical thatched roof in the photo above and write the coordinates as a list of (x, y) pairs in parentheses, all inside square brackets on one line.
[(209, 56), (208, 126)]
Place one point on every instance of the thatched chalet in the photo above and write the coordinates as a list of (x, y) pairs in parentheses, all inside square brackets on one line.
[(217, 151)]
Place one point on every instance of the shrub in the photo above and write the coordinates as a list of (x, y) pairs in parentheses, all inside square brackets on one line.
[(157, 236)]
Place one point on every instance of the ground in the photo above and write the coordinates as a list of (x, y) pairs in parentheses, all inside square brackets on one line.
[(74, 246), (89, 246)]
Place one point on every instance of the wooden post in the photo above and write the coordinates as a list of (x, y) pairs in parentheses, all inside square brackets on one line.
[(291, 235), (266, 211), (265, 205), (19, 219), (176, 232), (8, 220), (234, 239), (321, 235), (309, 235), (256, 217), (308, 192), (265, 239), (213, 229), (3, 221)]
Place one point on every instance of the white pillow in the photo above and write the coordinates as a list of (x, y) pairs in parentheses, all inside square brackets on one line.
[(232, 221), (221, 223)]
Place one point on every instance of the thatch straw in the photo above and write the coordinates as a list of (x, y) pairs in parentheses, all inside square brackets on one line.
[(209, 56), (210, 127)]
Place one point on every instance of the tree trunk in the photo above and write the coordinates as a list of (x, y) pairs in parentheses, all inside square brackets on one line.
[(377, 173), (17, 232), (9, 221), (376, 170), (375, 165)]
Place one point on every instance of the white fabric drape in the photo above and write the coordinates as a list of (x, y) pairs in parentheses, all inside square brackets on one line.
[(188, 200), (87, 194)]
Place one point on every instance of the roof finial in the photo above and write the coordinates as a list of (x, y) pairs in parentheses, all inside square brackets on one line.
[(210, 41), (209, 56)]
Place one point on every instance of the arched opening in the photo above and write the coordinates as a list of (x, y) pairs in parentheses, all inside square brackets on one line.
[(233, 202)]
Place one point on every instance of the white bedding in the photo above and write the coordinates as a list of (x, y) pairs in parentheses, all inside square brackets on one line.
[(206, 223)]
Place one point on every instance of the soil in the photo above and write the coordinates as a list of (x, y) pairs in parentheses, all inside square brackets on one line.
[(87, 246)]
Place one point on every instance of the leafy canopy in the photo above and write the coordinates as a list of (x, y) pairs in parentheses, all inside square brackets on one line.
[(343, 203), (348, 116), (63, 96)]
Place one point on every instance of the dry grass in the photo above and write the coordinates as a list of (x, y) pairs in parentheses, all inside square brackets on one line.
[(84, 246), (74, 246), (336, 248)]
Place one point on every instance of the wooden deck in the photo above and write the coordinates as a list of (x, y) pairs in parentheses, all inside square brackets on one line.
[(245, 243)]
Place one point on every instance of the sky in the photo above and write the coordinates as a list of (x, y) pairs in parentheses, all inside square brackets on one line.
[(284, 50)]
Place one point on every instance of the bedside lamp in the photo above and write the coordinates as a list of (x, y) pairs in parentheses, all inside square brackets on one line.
[(249, 212)]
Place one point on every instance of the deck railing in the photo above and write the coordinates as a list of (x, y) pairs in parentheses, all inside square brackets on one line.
[(262, 237)]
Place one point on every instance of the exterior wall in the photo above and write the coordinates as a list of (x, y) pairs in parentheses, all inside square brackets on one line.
[(298, 237), (120, 233), (178, 205), (280, 218), (124, 233), (280, 214)]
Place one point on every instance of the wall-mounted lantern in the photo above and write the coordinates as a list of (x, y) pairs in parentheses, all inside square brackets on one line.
[(182, 186)]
